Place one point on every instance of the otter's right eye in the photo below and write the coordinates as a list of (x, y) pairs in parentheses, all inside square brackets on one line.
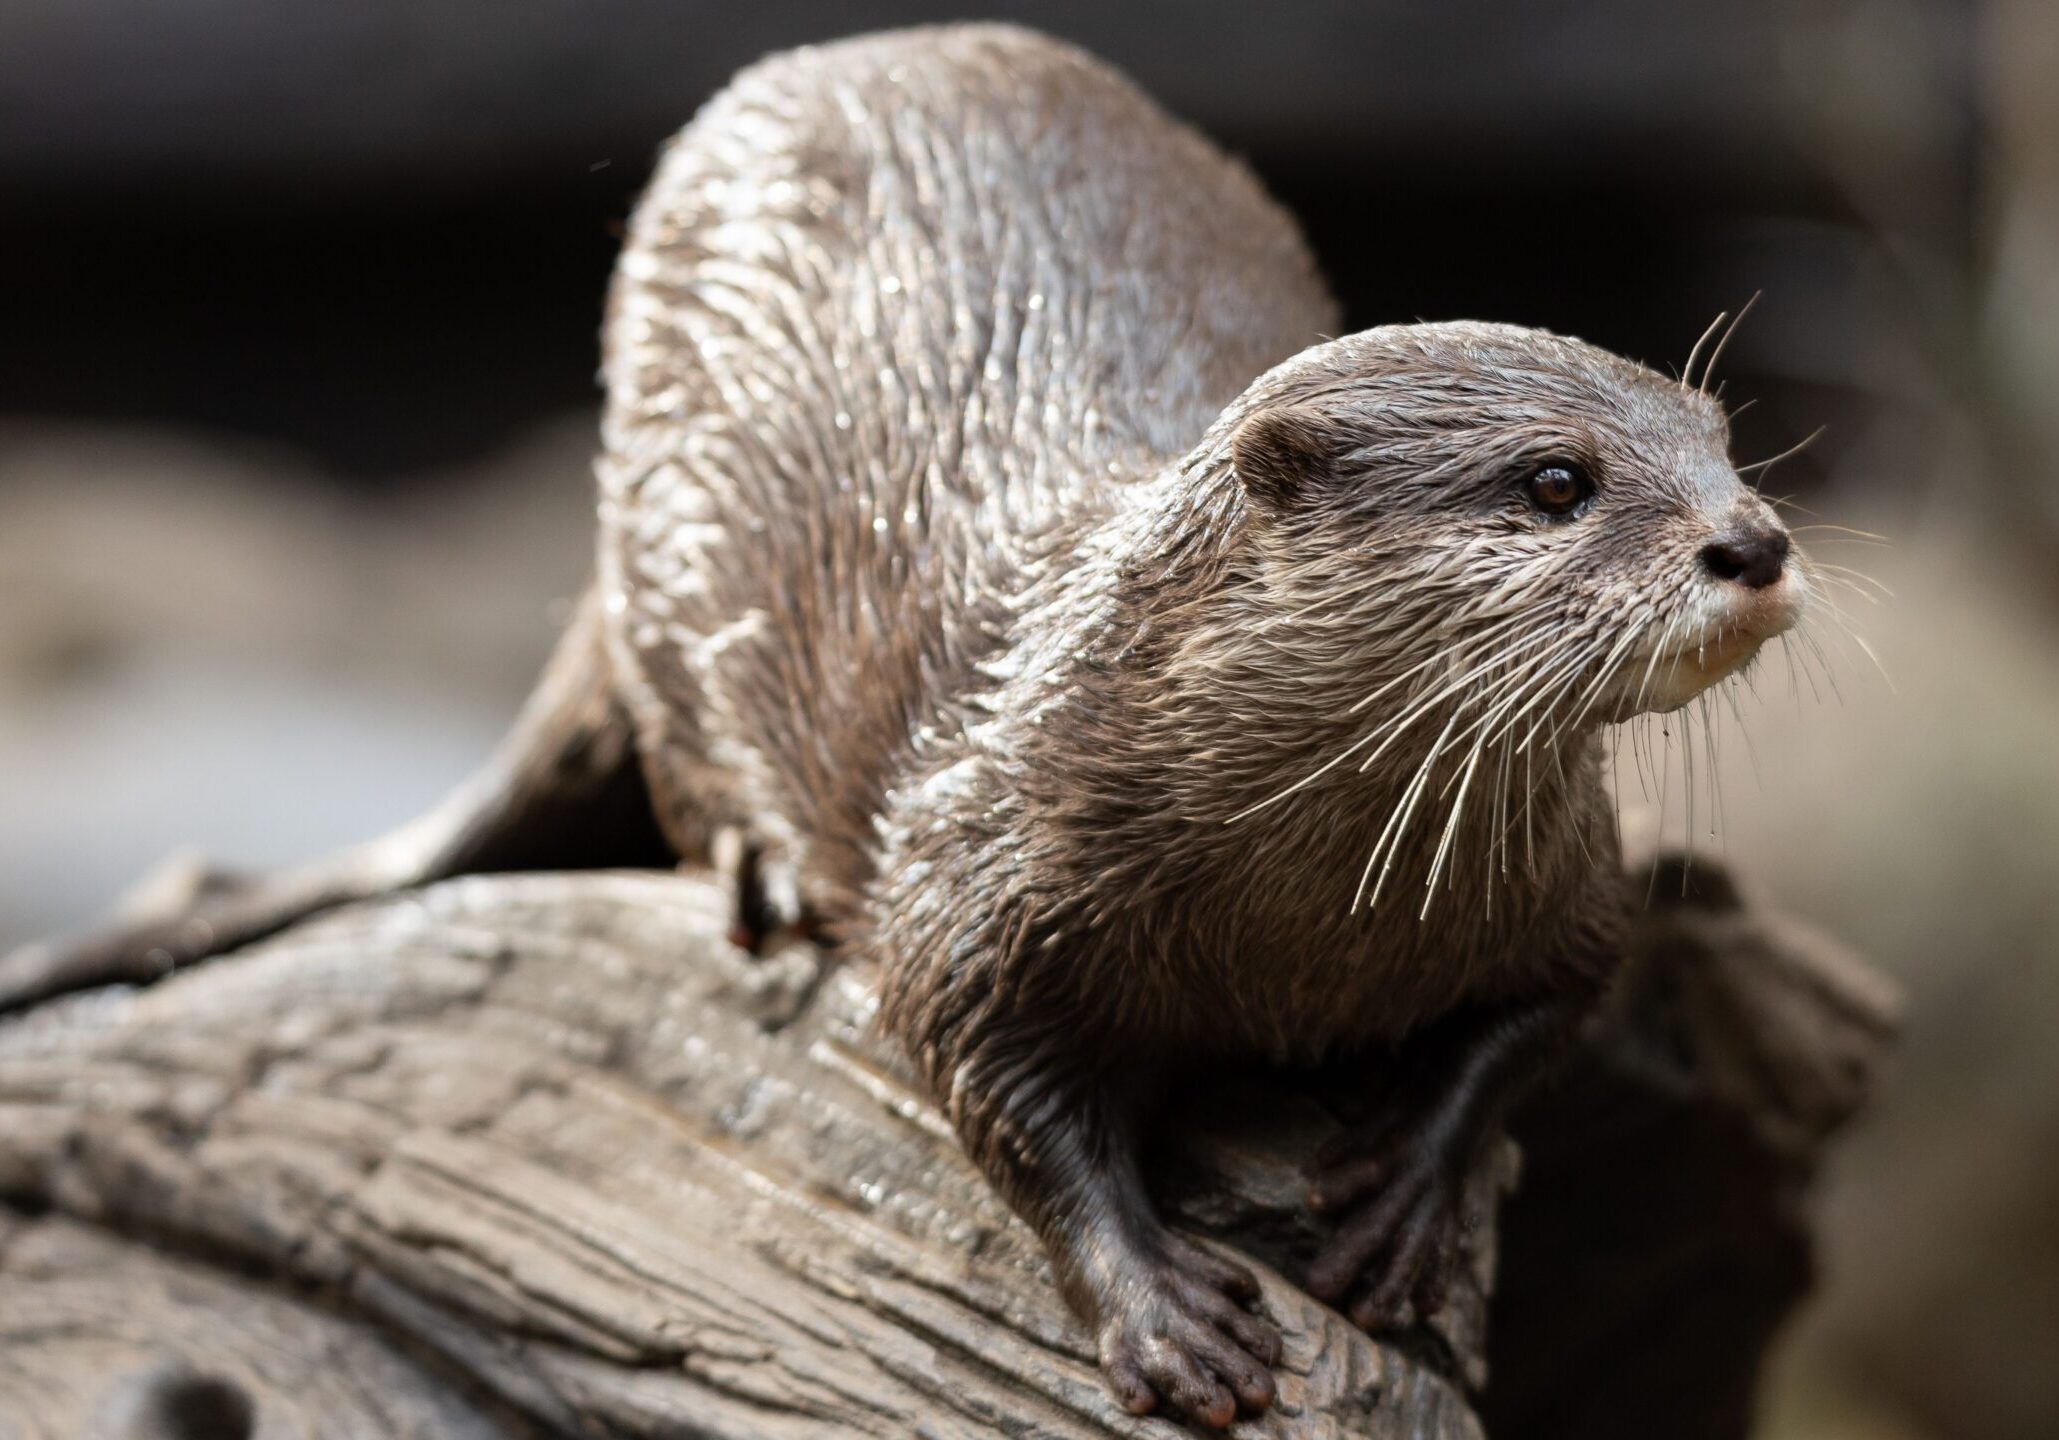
[(1559, 489)]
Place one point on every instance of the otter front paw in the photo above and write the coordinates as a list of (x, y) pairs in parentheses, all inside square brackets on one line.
[(1176, 1331), (1400, 1205)]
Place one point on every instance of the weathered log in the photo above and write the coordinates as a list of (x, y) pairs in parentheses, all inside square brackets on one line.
[(1661, 1235), (103, 1338), (544, 1154)]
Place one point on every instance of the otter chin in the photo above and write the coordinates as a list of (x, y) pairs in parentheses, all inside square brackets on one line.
[(1683, 670)]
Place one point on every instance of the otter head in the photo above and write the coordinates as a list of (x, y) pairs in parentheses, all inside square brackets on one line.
[(1521, 524)]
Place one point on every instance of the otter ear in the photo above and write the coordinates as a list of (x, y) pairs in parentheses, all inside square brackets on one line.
[(1283, 452)]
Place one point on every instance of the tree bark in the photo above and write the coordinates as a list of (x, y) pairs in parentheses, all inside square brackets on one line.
[(544, 1155)]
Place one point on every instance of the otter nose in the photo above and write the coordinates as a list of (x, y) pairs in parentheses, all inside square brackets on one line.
[(1752, 558)]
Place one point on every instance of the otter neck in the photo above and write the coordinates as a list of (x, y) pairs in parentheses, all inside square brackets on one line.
[(1192, 682)]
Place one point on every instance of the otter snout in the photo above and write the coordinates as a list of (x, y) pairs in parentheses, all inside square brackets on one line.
[(1748, 566), (1754, 557), (1747, 587)]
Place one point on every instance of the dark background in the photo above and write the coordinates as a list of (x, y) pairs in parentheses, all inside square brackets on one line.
[(380, 231), (298, 307)]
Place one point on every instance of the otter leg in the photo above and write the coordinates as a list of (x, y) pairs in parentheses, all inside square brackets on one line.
[(1169, 1316), (1396, 1180), (563, 790)]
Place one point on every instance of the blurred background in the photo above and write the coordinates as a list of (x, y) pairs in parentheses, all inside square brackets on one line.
[(297, 348)]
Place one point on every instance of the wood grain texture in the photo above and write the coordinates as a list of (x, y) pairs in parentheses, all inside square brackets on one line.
[(543, 1154), (104, 1338)]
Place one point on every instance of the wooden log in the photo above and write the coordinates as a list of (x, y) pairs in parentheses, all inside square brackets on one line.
[(546, 1153), (107, 1339), (1661, 1233)]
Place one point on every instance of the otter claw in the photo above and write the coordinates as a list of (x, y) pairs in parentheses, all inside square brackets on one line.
[(1396, 1244), (1180, 1337)]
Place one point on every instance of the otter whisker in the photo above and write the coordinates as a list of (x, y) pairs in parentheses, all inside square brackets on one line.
[(1723, 344), (1314, 775), (1450, 829), (1796, 674), (1546, 703), (1611, 667), (1542, 690), (1545, 692), (1391, 835), (1510, 690), (1743, 730), (1842, 534), (1427, 704), (1495, 723), (1788, 454), (1507, 822), (1639, 740), (1687, 793), (1483, 736), (1698, 719), (1709, 751), (1397, 822), (1461, 645), (1517, 705), (1380, 845), (1687, 371), (1806, 633), (1867, 650), (1501, 819), (1858, 582), (1644, 751), (1665, 776), (1394, 728), (1812, 662), (1837, 612), (1652, 732), (1423, 664), (1564, 657), (1529, 823), (1659, 649), (1607, 670), (1845, 627), (1545, 696)]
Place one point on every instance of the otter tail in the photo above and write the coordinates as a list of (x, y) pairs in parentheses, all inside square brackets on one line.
[(564, 791)]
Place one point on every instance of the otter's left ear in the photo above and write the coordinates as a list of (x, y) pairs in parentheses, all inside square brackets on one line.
[(1283, 452)]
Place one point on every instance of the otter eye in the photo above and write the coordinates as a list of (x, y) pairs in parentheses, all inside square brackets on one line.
[(1559, 489)]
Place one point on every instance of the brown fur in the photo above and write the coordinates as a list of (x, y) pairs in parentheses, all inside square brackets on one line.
[(952, 570), (955, 567)]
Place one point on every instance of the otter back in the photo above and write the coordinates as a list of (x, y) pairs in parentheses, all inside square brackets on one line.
[(896, 316)]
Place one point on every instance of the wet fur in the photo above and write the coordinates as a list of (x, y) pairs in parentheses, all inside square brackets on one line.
[(957, 575), (922, 589), (931, 569), (956, 561)]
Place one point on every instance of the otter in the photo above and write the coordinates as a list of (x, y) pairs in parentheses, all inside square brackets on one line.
[(1002, 577)]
